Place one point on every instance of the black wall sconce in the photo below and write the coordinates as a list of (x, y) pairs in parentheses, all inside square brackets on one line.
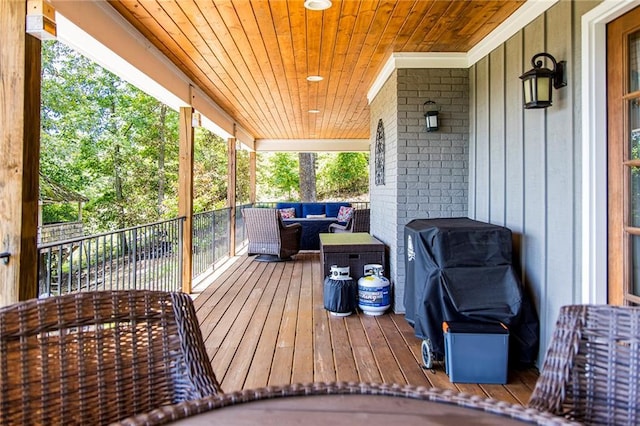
[(537, 83), (431, 115)]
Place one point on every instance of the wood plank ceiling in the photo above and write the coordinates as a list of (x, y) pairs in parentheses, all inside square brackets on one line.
[(253, 57)]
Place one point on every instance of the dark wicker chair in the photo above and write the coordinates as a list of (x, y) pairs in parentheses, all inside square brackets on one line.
[(269, 237), (98, 357), (591, 372), (359, 222)]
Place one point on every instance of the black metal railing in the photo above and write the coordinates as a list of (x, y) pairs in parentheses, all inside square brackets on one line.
[(241, 235), (142, 257), (211, 232)]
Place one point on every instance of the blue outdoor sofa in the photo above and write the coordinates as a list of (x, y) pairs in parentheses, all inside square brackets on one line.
[(313, 226)]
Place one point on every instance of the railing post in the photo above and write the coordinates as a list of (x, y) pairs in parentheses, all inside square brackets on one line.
[(134, 251), (213, 238), (180, 248), (231, 194), (252, 178), (185, 193)]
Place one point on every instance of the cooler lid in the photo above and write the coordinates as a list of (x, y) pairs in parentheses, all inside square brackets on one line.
[(474, 327)]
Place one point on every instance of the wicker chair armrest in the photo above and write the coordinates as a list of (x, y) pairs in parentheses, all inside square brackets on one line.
[(199, 380), (290, 226), (337, 227)]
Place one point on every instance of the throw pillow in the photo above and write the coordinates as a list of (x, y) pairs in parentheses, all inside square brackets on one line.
[(289, 213), (316, 216), (345, 213)]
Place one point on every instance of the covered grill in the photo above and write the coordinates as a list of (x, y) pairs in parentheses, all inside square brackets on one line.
[(458, 269)]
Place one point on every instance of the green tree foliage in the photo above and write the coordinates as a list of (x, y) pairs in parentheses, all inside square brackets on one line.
[(105, 139), (344, 175), (116, 145), (278, 176), (242, 177), (339, 176)]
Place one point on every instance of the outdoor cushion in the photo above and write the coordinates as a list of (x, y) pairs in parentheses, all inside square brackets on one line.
[(344, 214), (297, 206), (288, 213), (312, 208), (334, 207)]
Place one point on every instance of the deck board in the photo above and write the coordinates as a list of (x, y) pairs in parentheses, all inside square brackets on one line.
[(265, 324)]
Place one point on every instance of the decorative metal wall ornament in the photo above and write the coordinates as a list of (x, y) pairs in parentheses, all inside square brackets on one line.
[(380, 154)]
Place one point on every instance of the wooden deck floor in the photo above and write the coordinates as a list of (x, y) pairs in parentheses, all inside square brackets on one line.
[(265, 324)]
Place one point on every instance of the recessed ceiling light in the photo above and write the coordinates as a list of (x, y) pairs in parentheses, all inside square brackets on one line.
[(315, 78), (314, 111), (317, 4)]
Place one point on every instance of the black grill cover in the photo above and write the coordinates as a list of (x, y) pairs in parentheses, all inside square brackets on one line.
[(458, 269)]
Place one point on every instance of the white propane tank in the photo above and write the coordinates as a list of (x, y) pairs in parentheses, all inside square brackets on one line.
[(374, 295)]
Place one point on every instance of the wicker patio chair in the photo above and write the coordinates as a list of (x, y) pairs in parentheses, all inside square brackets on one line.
[(269, 237), (98, 357), (359, 222), (591, 373)]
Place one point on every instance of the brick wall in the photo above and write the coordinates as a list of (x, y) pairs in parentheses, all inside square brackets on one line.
[(427, 174)]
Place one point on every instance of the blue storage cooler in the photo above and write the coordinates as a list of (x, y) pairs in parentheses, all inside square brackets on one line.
[(476, 352)]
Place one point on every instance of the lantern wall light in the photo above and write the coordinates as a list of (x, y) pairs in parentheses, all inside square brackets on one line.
[(431, 115), (538, 83)]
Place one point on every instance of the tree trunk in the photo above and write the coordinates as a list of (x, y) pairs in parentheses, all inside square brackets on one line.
[(161, 153), (307, 169), (117, 167)]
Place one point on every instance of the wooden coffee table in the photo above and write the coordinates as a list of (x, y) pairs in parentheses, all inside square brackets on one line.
[(353, 250)]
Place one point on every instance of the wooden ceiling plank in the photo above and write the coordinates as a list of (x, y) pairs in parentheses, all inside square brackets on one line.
[(266, 30), (119, 6), (314, 35), (431, 18), (255, 66), (280, 13), (390, 36), (220, 50), (504, 10), (363, 24), (330, 21), (410, 22), (348, 13), (149, 27), (145, 14), (298, 23), (456, 17), (283, 47), (371, 49), (252, 57), (414, 31), (384, 48)]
